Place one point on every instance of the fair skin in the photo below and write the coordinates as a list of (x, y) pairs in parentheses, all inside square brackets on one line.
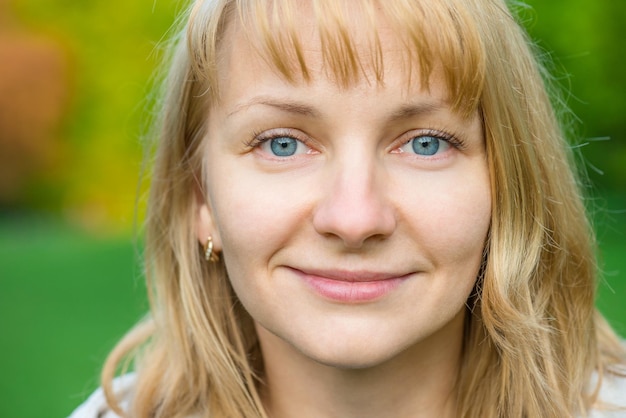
[(352, 222)]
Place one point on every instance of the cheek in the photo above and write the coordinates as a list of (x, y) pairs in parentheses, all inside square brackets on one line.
[(453, 218), (255, 216), (467, 218), (241, 225)]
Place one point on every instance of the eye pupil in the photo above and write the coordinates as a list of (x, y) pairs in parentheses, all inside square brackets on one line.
[(425, 145), (284, 146)]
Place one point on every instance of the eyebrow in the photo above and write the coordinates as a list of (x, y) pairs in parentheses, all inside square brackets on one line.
[(411, 110), (405, 112), (283, 105)]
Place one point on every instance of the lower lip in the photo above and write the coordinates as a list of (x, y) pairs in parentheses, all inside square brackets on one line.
[(349, 291)]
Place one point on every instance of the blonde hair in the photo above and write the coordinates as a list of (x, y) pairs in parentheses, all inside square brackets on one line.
[(533, 336)]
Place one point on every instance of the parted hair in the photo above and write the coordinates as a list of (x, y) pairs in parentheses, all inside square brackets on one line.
[(533, 338)]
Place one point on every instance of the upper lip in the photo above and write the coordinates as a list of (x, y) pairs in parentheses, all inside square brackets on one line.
[(351, 275)]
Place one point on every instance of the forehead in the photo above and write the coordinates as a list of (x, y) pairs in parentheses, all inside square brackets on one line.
[(349, 42), (254, 92), (311, 60)]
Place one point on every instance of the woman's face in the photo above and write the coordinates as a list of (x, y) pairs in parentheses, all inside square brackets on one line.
[(352, 220)]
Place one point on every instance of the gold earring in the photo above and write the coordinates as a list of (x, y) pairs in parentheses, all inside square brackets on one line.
[(209, 254)]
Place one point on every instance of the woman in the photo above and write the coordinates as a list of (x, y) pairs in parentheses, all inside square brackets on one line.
[(364, 209)]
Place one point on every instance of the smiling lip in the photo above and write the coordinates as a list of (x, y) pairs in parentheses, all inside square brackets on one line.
[(351, 286)]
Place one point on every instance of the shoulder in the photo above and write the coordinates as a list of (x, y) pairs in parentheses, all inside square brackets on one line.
[(96, 406), (612, 396)]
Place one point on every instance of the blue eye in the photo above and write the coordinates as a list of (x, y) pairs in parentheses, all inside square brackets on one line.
[(428, 144), (280, 144), (425, 145), (283, 146)]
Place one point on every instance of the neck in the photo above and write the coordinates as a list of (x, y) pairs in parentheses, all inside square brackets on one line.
[(418, 382)]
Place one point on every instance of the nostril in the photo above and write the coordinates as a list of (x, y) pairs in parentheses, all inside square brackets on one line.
[(355, 218)]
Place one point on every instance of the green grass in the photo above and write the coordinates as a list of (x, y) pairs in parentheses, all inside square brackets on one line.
[(611, 231), (67, 296)]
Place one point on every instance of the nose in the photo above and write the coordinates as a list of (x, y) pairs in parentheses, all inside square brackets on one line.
[(355, 207)]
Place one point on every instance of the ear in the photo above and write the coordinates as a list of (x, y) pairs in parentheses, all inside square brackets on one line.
[(205, 227)]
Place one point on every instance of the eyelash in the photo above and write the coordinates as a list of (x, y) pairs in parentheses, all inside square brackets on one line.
[(260, 137), (451, 138)]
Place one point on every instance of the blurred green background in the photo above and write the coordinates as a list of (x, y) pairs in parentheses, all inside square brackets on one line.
[(74, 78)]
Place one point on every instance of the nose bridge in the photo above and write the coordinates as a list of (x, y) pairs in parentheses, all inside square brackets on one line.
[(355, 184), (355, 206)]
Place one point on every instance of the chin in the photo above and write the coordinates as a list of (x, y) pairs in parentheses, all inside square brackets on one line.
[(353, 363), (353, 357)]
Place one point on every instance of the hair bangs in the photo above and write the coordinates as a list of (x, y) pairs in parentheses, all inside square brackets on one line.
[(434, 36), (443, 36)]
